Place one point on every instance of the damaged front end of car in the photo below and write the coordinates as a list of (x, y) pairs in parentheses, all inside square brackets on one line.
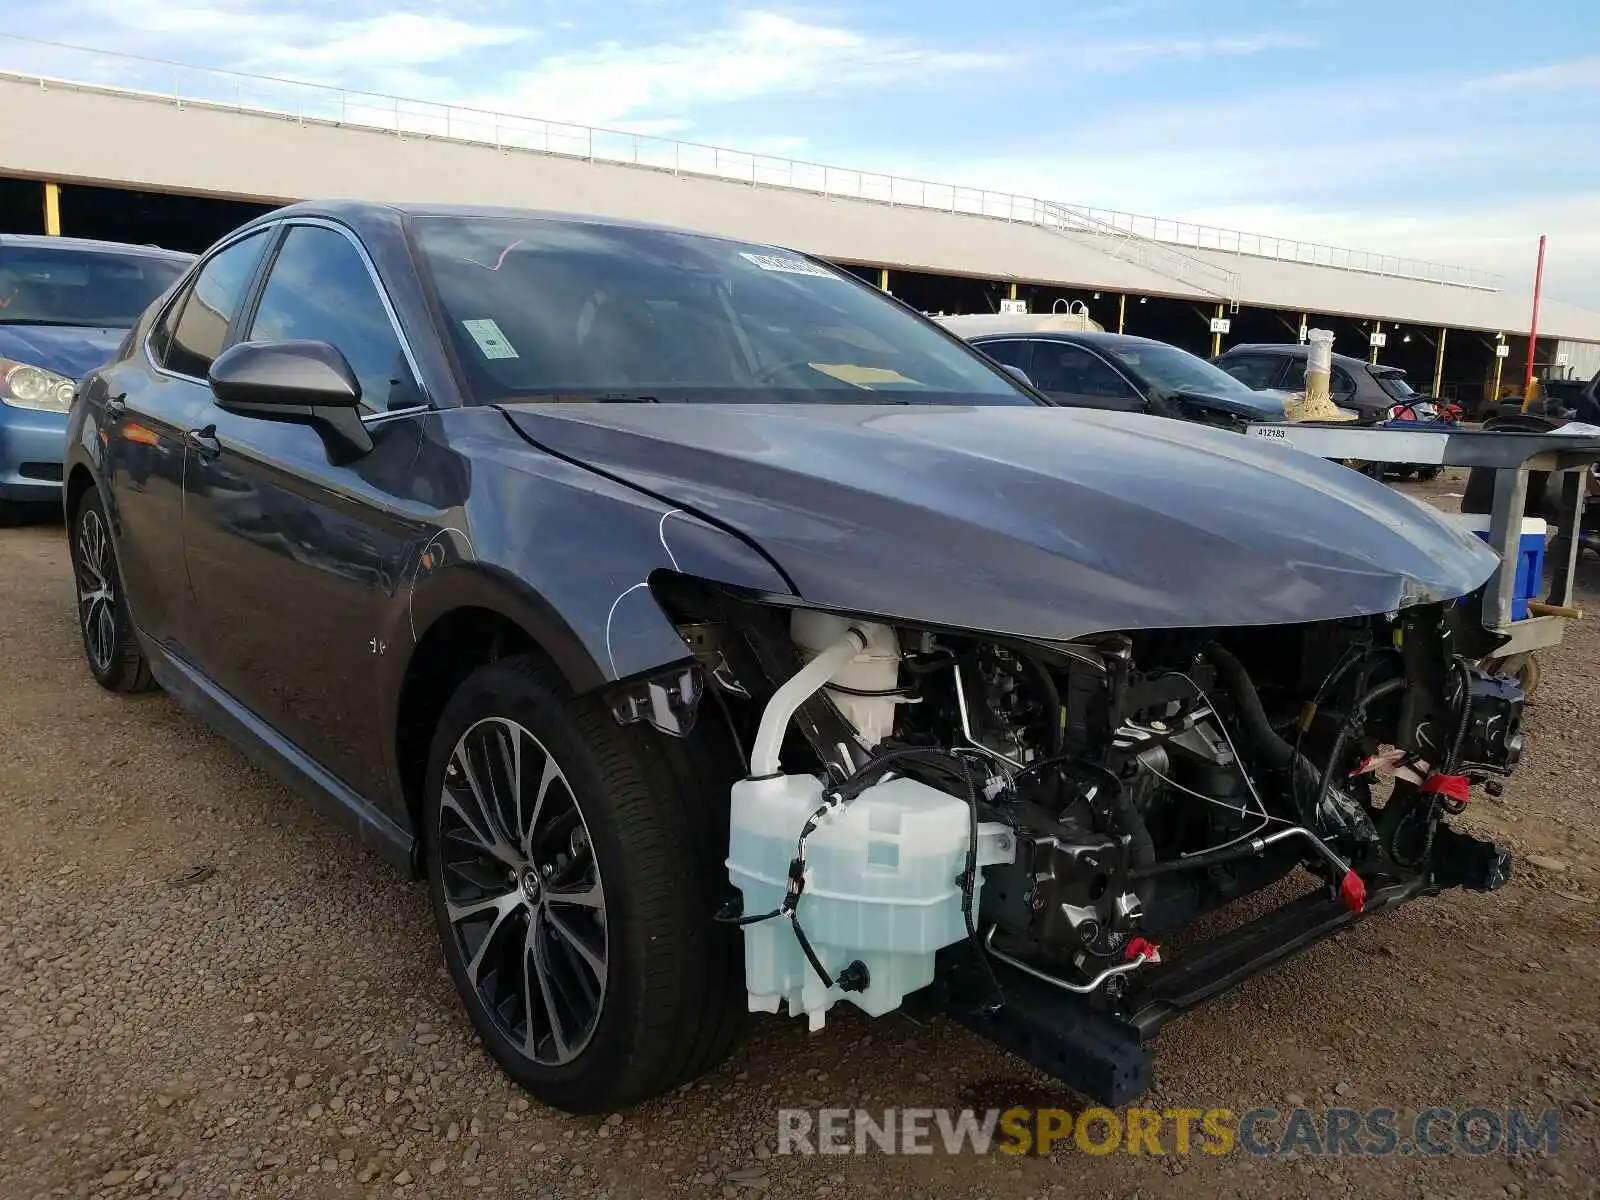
[(1040, 838)]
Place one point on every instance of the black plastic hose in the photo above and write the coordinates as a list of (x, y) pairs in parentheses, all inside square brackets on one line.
[(1141, 848), (1258, 731), (1259, 735)]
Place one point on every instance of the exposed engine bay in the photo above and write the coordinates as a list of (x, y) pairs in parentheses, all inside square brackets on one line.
[(1014, 829)]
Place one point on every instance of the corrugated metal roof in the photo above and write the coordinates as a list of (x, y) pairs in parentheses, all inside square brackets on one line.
[(111, 136)]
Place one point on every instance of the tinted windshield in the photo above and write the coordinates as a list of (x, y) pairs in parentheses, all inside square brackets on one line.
[(1394, 383), (1174, 370), (563, 310), (101, 288)]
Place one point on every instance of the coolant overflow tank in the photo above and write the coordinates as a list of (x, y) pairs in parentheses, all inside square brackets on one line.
[(882, 886)]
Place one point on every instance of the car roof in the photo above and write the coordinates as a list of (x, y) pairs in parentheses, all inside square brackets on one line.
[(1085, 337), (1295, 350), (359, 213), (91, 246)]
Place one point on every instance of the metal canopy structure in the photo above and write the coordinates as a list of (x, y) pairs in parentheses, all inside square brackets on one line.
[(250, 137)]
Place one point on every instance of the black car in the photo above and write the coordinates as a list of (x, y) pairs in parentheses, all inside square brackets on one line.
[(1370, 390), (656, 596), (1128, 374)]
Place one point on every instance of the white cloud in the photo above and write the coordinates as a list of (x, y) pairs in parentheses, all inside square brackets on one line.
[(253, 36), (402, 38), (758, 54), (1127, 55), (1574, 73)]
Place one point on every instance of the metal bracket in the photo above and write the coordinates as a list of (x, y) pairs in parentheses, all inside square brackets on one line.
[(668, 703)]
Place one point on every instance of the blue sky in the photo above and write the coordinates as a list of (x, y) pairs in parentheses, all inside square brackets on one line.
[(1457, 130)]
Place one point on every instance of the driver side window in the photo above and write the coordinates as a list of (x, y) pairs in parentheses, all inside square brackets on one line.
[(320, 290)]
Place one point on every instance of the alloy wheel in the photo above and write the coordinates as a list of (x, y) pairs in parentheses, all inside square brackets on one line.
[(97, 596), (522, 890)]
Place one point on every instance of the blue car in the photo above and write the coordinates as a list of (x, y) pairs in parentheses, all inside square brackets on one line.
[(65, 305)]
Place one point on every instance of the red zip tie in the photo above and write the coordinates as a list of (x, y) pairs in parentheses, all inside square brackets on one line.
[(1138, 946), (1452, 787), (1353, 892)]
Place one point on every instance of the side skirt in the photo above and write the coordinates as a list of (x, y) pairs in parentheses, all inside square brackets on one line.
[(285, 762)]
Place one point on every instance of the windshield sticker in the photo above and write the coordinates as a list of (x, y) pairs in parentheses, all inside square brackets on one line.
[(788, 266), (863, 377), (490, 339)]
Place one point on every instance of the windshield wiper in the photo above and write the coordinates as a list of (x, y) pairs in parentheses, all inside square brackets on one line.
[(581, 398)]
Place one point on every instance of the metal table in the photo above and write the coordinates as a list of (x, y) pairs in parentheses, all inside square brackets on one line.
[(1512, 456)]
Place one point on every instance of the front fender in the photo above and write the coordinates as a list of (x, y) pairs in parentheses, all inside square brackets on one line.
[(567, 555)]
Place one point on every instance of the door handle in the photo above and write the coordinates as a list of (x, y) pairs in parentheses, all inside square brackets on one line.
[(116, 406), (204, 441)]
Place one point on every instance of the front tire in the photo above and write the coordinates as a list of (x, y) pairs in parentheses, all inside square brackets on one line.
[(568, 864), (109, 642)]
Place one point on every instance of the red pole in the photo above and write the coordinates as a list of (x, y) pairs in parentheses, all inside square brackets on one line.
[(1533, 330)]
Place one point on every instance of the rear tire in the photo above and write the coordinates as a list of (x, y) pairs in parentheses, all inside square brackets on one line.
[(572, 867), (109, 642)]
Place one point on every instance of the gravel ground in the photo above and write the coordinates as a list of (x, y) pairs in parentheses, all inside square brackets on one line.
[(205, 990)]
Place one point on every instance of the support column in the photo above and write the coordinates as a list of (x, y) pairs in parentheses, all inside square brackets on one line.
[(1304, 324), (1013, 289), (1377, 327), (1122, 311), (1216, 338), (1499, 364), (52, 209), (883, 279), (1438, 362)]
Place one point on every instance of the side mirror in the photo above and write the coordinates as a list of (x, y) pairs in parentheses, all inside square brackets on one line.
[(1018, 372), (308, 383)]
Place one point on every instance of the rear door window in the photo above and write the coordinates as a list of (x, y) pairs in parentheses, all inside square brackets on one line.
[(1255, 371), (1062, 367), (1011, 352)]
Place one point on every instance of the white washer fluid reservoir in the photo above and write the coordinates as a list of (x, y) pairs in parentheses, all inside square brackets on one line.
[(882, 887)]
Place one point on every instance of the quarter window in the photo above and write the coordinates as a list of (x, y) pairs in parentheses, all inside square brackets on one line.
[(196, 327), (320, 290)]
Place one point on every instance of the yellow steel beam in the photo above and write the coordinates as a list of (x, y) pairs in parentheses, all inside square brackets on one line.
[(1216, 338), (883, 279), (1499, 363), (1438, 362), (52, 209), (1377, 327), (1122, 311), (1013, 289)]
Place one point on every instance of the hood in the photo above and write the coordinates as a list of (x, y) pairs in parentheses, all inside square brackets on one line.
[(1248, 405), (1047, 523), (70, 350)]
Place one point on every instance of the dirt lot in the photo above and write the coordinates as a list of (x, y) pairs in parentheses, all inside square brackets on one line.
[(207, 991)]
